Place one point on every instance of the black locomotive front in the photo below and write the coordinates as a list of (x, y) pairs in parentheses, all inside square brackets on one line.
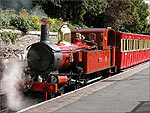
[(44, 56)]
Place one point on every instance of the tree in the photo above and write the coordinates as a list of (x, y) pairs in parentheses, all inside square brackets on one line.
[(116, 13), (93, 12), (78, 12), (139, 13), (123, 15)]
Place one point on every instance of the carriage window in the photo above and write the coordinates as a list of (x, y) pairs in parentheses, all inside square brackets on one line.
[(133, 44), (145, 42), (136, 44), (129, 44), (148, 44), (122, 45), (140, 44), (125, 44)]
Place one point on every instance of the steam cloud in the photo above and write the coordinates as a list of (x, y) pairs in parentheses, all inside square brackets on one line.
[(17, 4), (11, 77), (27, 4)]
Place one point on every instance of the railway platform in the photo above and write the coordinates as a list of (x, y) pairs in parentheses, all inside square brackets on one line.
[(126, 92)]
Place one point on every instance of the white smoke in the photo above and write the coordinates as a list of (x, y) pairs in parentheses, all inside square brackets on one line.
[(17, 4), (12, 75), (11, 78), (38, 11)]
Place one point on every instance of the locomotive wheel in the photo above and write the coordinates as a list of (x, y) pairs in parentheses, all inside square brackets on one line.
[(61, 93), (50, 95), (85, 82), (77, 86)]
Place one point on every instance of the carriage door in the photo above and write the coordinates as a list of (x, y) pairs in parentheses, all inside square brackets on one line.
[(112, 43)]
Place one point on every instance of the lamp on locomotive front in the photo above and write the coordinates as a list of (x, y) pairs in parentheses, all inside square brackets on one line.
[(45, 29), (64, 35)]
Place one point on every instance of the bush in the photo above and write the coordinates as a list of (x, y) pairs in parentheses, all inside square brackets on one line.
[(36, 24), (9, 37), (55, 24), (24, 21), (5, 16), (21, 23)]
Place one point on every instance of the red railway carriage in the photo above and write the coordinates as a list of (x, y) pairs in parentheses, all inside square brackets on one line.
[(132, 49)]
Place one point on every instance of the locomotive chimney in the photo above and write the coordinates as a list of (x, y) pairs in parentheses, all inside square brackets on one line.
[(44, 29)]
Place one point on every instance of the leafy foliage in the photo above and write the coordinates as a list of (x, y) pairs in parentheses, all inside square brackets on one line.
[(35, 22), (139, 15), (117, 14), (75, 11), (93, 12), (9, 37), (95, 7), (5, 16), (20, 23), (24, 21)]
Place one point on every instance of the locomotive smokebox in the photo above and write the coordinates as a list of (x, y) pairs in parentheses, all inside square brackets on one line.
[(45, 29)]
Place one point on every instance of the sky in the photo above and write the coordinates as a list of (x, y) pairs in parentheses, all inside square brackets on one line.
[(147, 1)]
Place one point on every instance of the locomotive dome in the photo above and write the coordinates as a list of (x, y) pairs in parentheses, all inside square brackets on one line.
[(64, 35)]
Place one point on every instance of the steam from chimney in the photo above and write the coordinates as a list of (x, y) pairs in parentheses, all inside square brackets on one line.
[(17, 4), (27, 4)]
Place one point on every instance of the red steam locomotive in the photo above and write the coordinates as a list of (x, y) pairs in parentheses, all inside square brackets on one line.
[(80, 56)]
